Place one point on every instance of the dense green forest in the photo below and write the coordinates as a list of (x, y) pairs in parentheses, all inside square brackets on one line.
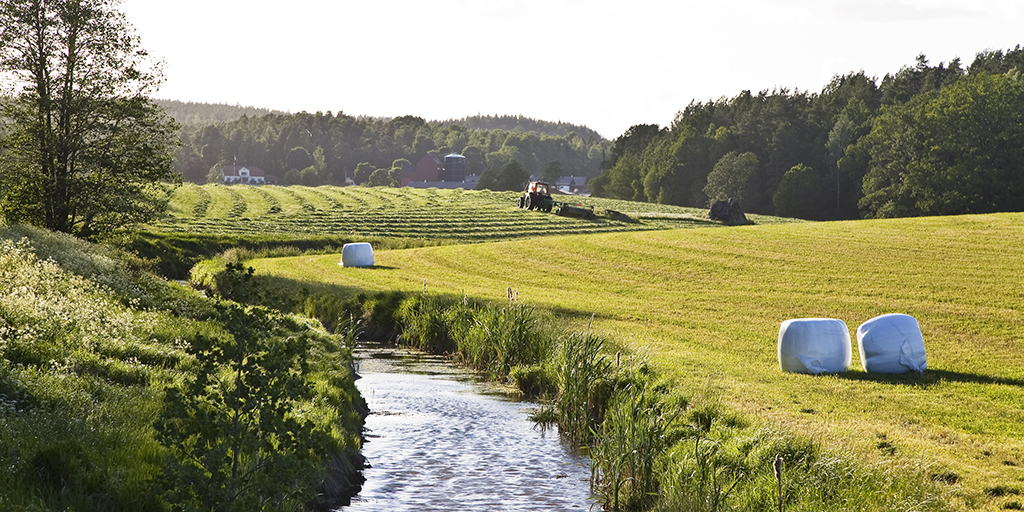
[(927, 140), (190, 113), (326, 148)]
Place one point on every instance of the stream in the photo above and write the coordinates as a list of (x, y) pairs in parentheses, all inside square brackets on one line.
[(437, 439)]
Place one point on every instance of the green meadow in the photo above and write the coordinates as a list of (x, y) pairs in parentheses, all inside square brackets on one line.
[(703, 307), (384, 212)]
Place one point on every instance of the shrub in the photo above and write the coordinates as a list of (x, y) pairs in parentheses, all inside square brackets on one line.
[(241, 432)]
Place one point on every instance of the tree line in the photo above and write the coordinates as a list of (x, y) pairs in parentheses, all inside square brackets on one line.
[(928, 140), (326, 148), (193, 113)]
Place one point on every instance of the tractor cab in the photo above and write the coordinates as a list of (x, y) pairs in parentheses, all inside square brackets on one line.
[(538, 187)]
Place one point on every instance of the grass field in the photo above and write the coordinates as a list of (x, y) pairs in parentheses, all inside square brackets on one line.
[(384, 212), (704, 307)]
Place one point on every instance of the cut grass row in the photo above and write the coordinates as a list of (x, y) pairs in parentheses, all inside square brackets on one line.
[(704, 307), (384, 212)]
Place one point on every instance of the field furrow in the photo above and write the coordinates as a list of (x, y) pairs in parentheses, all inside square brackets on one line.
[(385, 212), (256, 203)]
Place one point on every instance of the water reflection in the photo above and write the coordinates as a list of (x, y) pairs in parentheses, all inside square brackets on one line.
[(438, 441)]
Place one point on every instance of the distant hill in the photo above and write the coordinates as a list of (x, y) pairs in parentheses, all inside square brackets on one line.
[(189, 113), (521, 124)]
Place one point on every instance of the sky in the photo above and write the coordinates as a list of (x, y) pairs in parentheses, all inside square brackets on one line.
[(604, 64)]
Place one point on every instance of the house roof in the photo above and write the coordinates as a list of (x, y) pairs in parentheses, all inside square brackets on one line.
[(565, 181), (233, 170)]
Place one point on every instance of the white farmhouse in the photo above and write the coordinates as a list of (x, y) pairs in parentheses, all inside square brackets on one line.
[(246, 175)]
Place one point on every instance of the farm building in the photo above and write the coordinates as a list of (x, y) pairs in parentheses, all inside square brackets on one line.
[(246, 175), (575, 185), (432, 168)]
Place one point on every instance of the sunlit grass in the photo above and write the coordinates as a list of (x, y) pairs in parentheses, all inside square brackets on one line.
[(256, 204), (704, 306), (408, 213)]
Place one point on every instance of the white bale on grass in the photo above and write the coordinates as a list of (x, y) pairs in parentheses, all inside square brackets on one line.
[(814, 345), (891, 344), (358, 254)]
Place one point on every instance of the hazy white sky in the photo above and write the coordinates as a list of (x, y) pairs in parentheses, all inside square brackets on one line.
[(601, 63)]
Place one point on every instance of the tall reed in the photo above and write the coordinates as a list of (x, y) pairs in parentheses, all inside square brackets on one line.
[(488, 338), (635, 432), (502, 338), (425, 324), (697, 474), (582, 378)]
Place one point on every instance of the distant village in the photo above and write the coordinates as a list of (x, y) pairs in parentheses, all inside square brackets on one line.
[(431, 171)]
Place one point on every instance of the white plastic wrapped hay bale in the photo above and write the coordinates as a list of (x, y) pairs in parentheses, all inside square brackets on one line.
[(814, 345), (358, 254), (891, 344)]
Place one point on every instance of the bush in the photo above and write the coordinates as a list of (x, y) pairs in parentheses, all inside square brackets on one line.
[(249, 430)]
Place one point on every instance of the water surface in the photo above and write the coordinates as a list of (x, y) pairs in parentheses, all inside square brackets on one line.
[(437, 440)]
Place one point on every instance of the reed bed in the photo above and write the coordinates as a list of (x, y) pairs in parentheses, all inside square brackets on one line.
[(652, 446)]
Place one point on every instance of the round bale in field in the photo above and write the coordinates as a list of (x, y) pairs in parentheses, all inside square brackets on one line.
[(891, 344), (357, 255), (814, 345)]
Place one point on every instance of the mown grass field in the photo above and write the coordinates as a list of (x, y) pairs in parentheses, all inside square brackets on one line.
[(704, 307), (384, 212)]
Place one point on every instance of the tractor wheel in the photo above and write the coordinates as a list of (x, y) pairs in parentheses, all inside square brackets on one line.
[(522, 202), (529, 202)]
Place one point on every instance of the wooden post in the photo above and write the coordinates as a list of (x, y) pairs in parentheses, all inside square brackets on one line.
[(778, 477)]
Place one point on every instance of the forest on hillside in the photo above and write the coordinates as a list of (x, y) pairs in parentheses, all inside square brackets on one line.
[(326, 148), (927, 140), (191, 113)]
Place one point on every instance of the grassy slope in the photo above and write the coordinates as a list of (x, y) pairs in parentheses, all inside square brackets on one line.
[(705, 307), (87, 347)]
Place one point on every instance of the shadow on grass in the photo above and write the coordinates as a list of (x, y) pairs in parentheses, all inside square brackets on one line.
[(929, 378), (289, 295), (325, 301), (574, 314), (370, 267)]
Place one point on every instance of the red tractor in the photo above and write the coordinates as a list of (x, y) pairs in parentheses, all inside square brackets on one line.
[(536, 197)]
